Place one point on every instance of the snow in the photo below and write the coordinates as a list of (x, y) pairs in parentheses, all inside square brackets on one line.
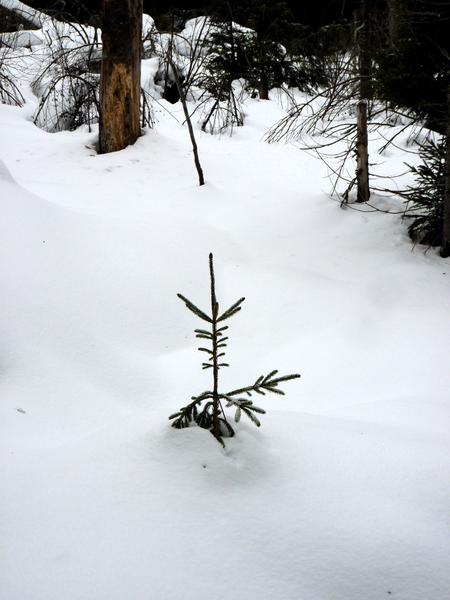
[(148, 25), (342, 494), (20, 39)]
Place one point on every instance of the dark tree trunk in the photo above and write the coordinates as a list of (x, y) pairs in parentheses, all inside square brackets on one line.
[(362, 154), (445, 248), (364, 51), (263, 88), (397, 20), (365, 94), (120, 83)]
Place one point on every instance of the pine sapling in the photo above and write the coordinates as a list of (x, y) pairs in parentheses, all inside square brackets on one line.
[(207, 409)]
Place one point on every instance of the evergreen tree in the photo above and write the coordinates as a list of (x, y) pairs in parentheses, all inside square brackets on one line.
[(225, 64), (207, 409), (425, 199), (257, 55), (414, 73), (445, 245), (268, 64)]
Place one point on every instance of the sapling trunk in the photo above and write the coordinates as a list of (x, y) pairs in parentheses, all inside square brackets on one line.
[(214, 310), (187, 116)]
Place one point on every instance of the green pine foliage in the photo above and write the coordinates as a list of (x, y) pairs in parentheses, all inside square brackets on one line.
[(425, 199), (227, 61), (256, 55), (225, 64), (414, 72), (207, 409)]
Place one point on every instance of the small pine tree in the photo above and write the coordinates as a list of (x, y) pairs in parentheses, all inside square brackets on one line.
[(425, 199), (225, 64), (207, 409)]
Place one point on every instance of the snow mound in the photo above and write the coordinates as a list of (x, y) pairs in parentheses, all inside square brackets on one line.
[(5, 174), (20, 39), (342, 494)]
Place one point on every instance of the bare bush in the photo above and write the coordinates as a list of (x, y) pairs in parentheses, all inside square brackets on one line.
[(10, 92), (68, 82)]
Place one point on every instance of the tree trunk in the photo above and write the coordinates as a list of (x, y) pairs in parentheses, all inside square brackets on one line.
[(263, 87), (445, 248), (362, 154), (365, 94), (120, 81), (397, 19), (364, 51)]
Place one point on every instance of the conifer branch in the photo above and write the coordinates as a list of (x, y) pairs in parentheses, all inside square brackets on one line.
[(195, 309), (262, 384)]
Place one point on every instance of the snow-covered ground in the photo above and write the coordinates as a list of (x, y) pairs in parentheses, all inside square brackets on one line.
[(342, 494)]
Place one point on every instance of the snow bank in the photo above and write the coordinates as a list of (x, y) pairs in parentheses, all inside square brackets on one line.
[(5, 175), (148, 26), (343, 492), (20, 39)]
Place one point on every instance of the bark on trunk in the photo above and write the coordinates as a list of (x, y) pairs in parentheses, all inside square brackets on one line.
[(365, 94), (362, 168), (397, 20), (263, 88), (445, 248), (364, 50), (120, 83)]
